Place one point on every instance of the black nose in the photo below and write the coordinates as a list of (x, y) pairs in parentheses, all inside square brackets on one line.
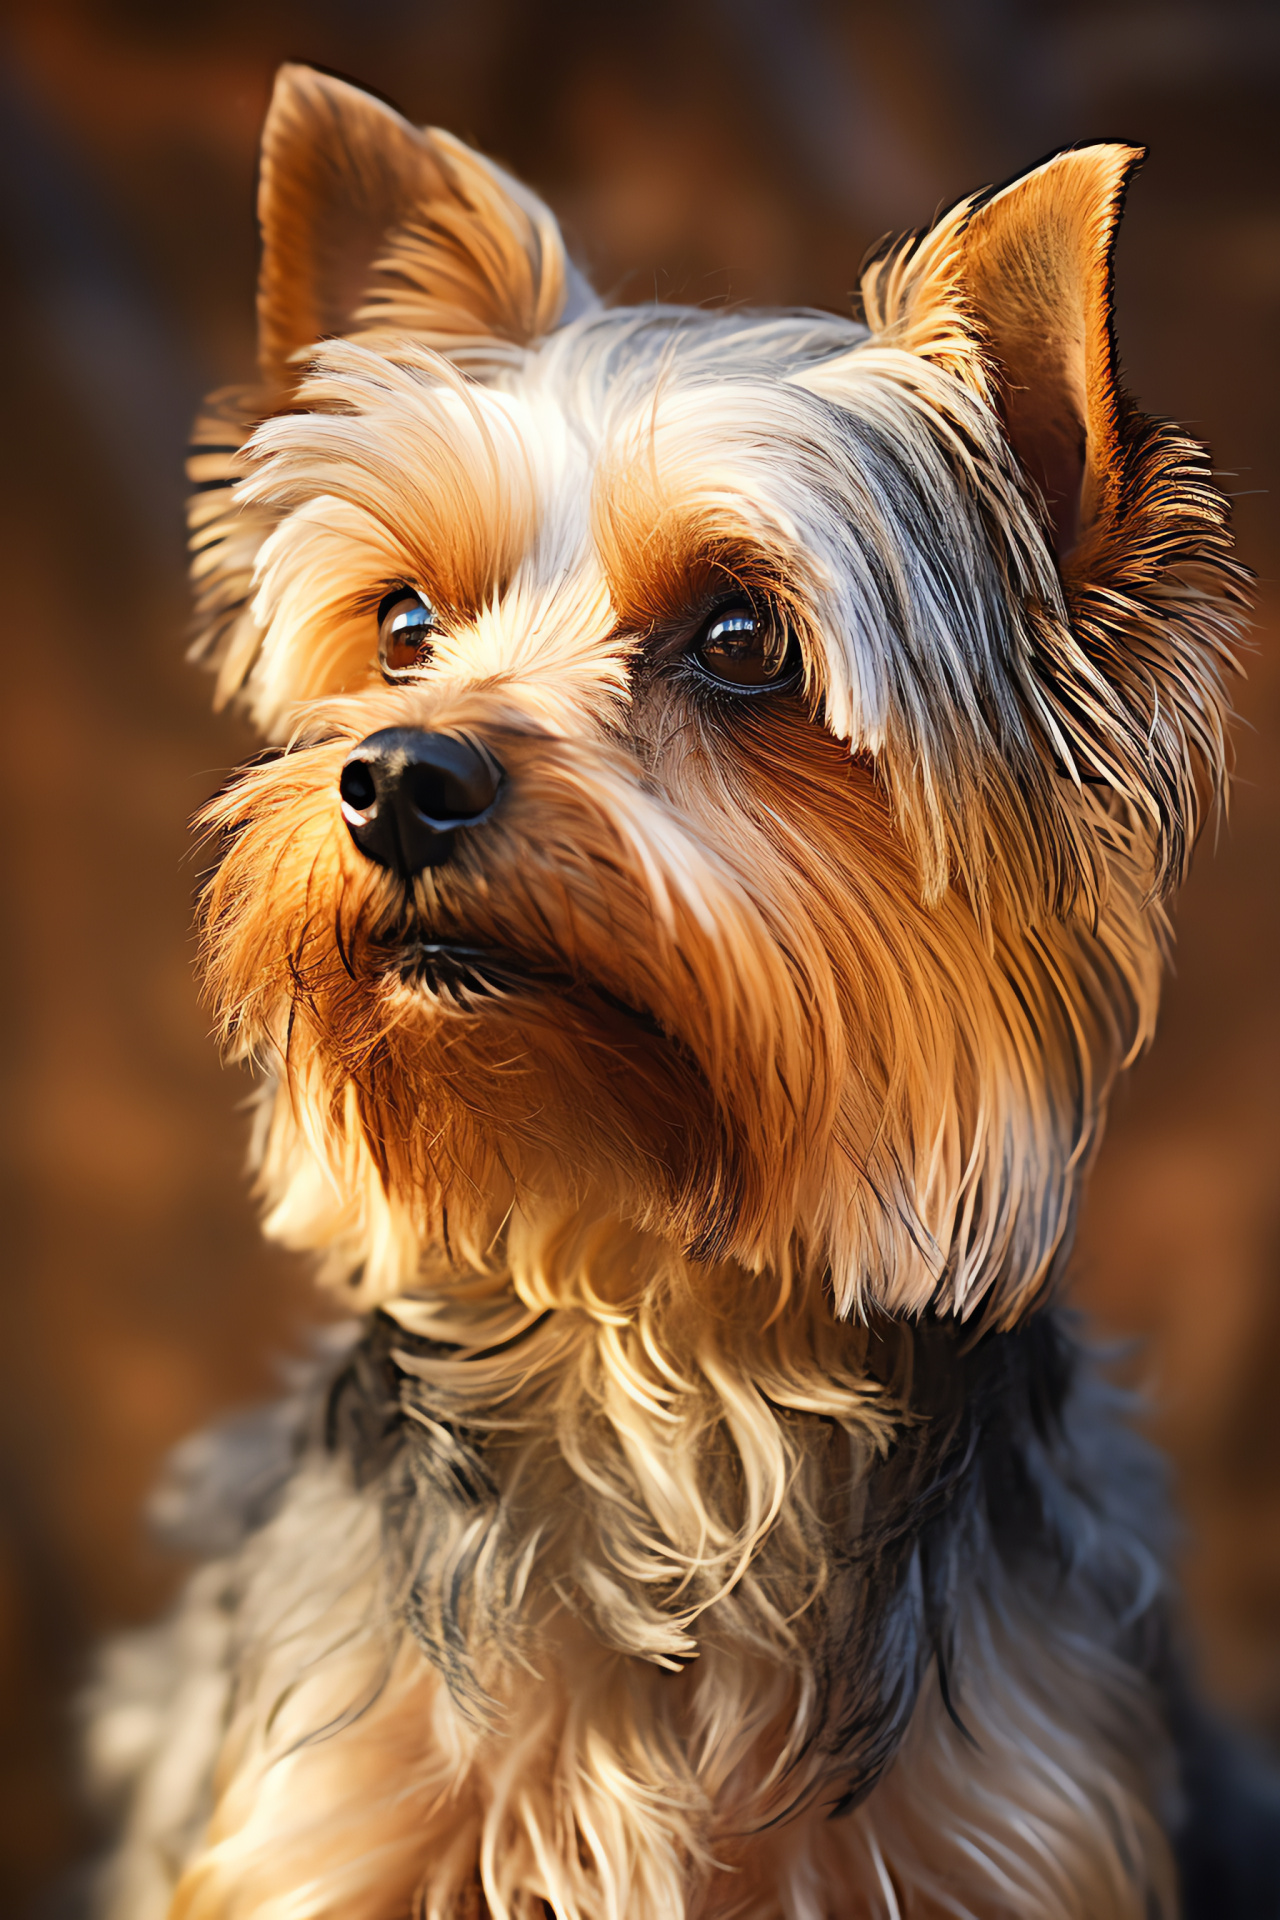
[(405, 792)]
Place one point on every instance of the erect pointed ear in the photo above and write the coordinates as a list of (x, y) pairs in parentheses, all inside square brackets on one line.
[(1010, 293), (370, 223), (1035, 274), (1016, 284)]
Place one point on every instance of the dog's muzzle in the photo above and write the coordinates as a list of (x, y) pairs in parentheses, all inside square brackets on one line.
[(405, 793)]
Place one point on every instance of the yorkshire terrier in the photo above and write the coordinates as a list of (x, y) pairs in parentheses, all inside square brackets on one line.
[(707, 871)]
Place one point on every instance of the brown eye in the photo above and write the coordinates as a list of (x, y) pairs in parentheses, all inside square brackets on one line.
[(406, 623), (740, 647)]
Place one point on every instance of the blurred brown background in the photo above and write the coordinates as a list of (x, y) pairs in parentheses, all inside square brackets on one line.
[(697, 149)]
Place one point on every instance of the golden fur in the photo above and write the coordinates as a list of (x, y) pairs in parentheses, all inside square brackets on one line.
[(809, 1012)]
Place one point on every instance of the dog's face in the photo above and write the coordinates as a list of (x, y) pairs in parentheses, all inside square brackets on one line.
[(729, 762)]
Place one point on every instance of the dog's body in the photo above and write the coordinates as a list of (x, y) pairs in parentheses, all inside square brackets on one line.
[(731, 766)]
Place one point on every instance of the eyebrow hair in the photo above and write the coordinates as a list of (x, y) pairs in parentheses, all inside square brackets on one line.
[(438, 463)]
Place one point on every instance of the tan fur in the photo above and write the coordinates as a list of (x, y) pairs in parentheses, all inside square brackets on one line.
[(812, 1010), (610, 1785), (370, 221)]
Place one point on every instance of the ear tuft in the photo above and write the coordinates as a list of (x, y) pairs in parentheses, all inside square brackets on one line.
[(370, 223), (912, 298)]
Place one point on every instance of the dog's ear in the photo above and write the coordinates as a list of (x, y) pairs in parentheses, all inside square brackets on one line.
[(1011, 292), (1035, 273), (369, 224), (1017, 283)]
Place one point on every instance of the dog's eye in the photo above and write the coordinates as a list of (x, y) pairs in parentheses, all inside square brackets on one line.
[(742, 647), (406, 623)]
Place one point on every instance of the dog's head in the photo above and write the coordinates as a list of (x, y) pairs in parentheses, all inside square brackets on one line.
[(727, 765)]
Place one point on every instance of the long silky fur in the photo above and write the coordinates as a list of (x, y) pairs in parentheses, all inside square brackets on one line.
[(711, 1515), (543, 1617)]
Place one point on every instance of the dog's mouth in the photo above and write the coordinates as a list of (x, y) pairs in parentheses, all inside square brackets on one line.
[(452, 968), (439, 965)]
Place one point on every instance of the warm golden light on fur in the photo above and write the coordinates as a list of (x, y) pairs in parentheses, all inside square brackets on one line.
[(707, 1123)]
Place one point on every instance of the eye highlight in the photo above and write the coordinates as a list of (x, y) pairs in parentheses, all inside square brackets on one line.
[(406, 623), (742, 648)]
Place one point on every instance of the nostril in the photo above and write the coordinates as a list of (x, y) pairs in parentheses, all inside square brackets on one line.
[(357, 786), (461, 792)]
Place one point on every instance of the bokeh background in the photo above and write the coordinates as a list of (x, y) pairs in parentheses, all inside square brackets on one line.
[(702, 150)]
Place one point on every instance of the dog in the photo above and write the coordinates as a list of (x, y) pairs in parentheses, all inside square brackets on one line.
[(723, 776)]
